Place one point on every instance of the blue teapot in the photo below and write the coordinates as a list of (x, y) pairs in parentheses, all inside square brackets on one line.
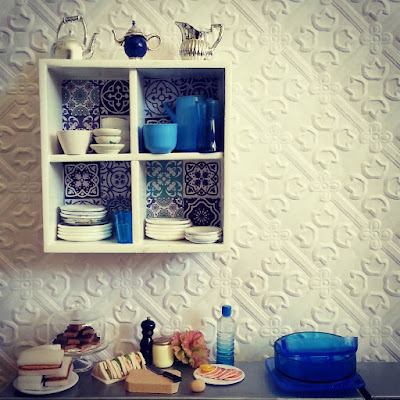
[(135, 42)]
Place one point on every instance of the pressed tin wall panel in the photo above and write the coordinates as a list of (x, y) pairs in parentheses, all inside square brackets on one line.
[(316, 180)]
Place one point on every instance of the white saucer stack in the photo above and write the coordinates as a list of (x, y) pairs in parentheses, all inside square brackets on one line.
[(83, 223), (203, 234), (167, 228)]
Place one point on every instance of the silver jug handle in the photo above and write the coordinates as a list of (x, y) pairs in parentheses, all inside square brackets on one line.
[(74, 18), (148, 37), (221, 31)]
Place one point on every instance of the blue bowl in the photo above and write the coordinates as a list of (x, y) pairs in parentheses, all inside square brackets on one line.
[(316, 356), (160, 138)]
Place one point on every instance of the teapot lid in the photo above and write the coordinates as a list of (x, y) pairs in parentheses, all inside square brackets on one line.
[(134, 30)]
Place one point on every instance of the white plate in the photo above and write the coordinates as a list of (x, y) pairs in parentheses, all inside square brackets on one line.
[(107, 132), (168, 221), (82, 208), (210, 381), (94, 214), (203, 230), (84, 221), (165, 237), (107, 148), (85, 238), (85, 229), (72, 381), (201, 241), (166, 228)]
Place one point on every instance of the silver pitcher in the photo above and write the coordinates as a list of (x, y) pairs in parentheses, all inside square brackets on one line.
[(194, 44)]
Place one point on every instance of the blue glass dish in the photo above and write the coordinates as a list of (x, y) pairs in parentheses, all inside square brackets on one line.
[(292, 385), (316, 356)]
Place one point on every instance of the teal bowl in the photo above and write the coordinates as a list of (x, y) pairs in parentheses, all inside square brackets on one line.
[(160, 138)]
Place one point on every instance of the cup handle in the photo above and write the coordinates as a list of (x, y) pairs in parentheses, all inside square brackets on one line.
[(221, 31), (148, 37)]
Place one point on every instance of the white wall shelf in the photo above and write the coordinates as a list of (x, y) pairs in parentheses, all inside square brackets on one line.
[(52, 75)]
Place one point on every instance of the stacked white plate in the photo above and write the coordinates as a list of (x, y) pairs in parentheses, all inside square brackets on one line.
[(83, 214), (203, 234), (84, 233), (83, 223), (107, 141), (167, 228)]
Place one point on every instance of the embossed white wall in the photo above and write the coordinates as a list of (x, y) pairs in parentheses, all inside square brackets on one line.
[(316, 180)]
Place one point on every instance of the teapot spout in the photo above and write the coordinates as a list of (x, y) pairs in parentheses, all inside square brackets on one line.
[(88, 53), (118, 41), (170, 112)]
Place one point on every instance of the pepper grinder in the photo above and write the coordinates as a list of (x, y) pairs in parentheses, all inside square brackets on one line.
[(146, 344)]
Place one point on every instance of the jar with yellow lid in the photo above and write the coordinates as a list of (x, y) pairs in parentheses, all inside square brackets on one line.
[(163, 356)]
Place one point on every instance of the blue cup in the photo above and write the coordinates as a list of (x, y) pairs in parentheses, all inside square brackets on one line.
[(123, 226), (160, 138)]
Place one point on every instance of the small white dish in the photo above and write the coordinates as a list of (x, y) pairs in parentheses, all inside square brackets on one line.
[(201, 241), (107, 148), (107, 139), (203, 230), (85, 229), (107, 132)]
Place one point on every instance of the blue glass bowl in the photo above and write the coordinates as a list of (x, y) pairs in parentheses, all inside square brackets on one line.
[(316, 356)]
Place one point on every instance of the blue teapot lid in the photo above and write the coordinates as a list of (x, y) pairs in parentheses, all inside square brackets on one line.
[(134, 30)]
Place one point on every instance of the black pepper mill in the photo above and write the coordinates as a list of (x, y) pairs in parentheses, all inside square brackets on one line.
[(146, 344)]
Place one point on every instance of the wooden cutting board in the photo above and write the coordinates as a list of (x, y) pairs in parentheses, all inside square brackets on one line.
[(146, 381)]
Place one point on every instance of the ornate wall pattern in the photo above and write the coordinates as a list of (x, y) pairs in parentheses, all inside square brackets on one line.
[(316, 180)]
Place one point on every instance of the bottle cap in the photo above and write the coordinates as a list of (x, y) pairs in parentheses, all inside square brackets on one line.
[(226, 311)]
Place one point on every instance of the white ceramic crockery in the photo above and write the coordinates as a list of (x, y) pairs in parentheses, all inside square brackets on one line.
[(74, 142)]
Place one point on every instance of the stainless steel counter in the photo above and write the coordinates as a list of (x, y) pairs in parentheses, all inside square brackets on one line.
[(382, 380), (257, 385)]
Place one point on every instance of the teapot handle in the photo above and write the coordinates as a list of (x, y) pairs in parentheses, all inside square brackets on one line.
[(74, 18), (148, 37), (221, 31)]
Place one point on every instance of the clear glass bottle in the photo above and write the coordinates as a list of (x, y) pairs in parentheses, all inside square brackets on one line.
[(226, 337)]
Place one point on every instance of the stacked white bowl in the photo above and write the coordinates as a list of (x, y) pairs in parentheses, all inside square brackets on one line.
[(167, 228), (121, 123), (203, 234), (83, 223), (107, 141)]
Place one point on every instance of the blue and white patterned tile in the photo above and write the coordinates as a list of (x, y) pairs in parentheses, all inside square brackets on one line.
[(94, 201), (164, 179), (115, 185), (114, 97), (164, 207), (160, 91), (203, 211), (201, 179), (81, 181), (80, 99)]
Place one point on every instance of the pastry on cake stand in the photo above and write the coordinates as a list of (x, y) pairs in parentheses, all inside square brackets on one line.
[(81, 333)]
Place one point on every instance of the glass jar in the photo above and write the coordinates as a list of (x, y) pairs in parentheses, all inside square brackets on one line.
[(163, 356)]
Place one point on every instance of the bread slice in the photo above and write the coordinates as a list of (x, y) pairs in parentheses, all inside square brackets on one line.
[(30, 382), (146, 381)]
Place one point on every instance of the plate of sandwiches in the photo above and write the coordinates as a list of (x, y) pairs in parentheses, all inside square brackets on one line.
[(117, 369), (44, 370)]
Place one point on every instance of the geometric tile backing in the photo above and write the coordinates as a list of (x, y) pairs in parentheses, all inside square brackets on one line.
[(315, 180)]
